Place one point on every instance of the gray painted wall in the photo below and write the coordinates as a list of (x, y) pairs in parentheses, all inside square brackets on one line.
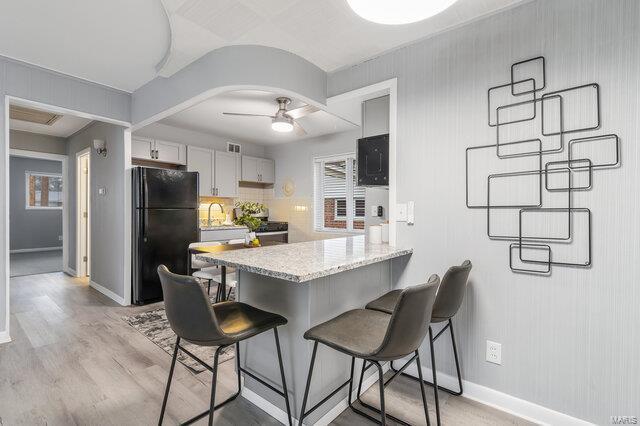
[(251, 66), (376, 122), (195, 138), (570, 341), (107, 216), (32, 228), (37, 84), (36, 142)]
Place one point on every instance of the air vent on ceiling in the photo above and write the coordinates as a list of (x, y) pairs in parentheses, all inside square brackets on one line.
[(32, 115), (233, 147)]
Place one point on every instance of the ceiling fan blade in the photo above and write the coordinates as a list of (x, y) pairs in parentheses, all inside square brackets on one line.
[(302, 111), (298, 129), (247, 115)]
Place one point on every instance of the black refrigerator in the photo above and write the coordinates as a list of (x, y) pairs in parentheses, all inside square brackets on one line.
[(165, 222)]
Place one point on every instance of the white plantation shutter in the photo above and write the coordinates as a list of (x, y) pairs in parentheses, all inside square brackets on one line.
[(335, 180), (318, 196)]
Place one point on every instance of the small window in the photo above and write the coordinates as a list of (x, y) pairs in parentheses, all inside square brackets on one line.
[(338, 203), (43, 190)]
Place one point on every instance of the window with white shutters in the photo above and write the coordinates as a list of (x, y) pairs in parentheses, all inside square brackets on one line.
[(338, 203)]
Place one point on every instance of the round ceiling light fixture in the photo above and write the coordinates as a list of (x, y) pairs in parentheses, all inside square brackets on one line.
[(282, 123), (398, 12)]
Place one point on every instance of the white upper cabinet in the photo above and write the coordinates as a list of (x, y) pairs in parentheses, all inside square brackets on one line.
[(201, 160), (226, 174), (260, 170), (219, 171), (142, 148), (158, 150), (171, 152), (267, 170), (250, 169)]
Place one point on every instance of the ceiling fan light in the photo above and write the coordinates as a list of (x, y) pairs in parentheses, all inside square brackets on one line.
[(399, 11), (282, 124)]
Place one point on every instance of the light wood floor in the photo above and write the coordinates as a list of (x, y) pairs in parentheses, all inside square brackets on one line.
[(73, 360)]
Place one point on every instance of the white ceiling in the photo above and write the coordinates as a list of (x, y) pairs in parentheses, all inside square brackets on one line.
[(64, 127), (325, 32), (207, 117), (114, 42), (124, 43)]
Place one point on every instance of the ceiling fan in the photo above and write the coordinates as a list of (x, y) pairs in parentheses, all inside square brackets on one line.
[(284, 120)]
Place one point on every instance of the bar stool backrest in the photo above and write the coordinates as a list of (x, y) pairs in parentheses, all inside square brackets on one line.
[(409, 322), (189, 310), (451, 292)]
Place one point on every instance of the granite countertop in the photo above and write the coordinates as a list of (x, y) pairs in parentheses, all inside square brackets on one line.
[(300, 262), (221, 227)]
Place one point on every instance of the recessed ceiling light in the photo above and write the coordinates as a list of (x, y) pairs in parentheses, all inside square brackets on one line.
[(396, 12)]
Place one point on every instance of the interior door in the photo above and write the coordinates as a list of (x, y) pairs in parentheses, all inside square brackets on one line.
[(226, 174), (141, 148), (201, 160), (84, 268), (171, 152), (267, 170), (249, 169)]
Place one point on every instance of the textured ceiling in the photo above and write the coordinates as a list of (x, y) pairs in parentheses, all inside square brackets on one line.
[(207, 117), (325, 32), (124, 44), (113, 42)]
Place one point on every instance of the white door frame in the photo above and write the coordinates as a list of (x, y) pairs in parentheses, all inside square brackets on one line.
[(386, 87), (8, 99), (80, 271), (65, 195)]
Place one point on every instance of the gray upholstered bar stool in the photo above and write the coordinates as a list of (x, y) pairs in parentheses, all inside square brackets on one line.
[(448, 301), (376, 337), (193, 318)]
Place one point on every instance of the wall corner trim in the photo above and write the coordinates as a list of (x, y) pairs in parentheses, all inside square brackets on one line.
[(110, 294), (4, 337)]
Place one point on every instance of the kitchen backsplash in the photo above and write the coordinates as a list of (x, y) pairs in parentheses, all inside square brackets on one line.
[(255, 194)]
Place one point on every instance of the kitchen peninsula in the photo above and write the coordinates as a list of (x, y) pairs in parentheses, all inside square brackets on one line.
[(308, 283)]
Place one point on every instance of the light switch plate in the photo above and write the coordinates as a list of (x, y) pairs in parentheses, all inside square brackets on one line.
[(410, 212), (102, 191), (401, 209), (374, 211)]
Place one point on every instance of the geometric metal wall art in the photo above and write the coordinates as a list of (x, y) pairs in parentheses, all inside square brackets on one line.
[(538, 161)]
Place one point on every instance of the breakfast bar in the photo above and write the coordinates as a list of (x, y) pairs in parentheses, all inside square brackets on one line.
[(308, 283)]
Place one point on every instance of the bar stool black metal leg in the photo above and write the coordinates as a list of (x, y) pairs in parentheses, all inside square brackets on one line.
[(166, 392), (212, 406), (435, 380), (353, 362), (238, 366), (381, 385), (455, 356), (306, 390), (424, 395), (209, 288), (284, 381)]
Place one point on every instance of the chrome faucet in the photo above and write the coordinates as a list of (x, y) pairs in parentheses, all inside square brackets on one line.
[(209, 214)]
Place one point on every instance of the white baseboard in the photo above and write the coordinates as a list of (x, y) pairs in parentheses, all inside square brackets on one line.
[(499, 400), (110, 294), (4, 337), (281, 415), (33, 250), (69, 271)]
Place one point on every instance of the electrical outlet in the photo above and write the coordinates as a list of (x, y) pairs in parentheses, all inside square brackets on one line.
[(494, 352), (401, 212)]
